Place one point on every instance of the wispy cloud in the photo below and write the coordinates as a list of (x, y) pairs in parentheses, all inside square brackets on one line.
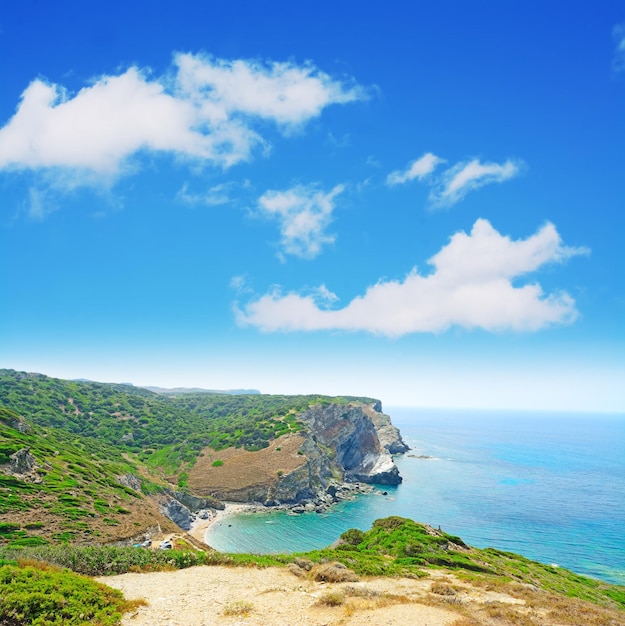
[(207, 110), (471, 286), (304, 213), (618, 62), (418, 169), (214, 196), (456, 182)]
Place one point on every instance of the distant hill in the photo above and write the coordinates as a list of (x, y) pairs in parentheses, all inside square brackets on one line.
[(178, 390)]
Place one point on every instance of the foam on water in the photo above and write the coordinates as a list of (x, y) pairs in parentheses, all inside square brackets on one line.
[(548, 486)]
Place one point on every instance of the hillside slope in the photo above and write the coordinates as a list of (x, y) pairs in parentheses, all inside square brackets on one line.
[(102, 461)]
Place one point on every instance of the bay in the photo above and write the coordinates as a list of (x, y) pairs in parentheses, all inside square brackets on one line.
[(549, 486)]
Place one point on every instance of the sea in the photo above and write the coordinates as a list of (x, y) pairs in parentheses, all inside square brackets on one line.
[(549, 486)]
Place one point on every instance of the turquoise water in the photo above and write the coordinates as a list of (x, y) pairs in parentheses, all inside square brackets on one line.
[(548, 486)]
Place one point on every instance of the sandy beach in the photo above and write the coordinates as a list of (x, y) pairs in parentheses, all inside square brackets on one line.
[(200, 527)]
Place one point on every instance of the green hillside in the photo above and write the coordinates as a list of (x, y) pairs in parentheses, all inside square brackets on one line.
[(163, 430), (99, 449), (77, 489)]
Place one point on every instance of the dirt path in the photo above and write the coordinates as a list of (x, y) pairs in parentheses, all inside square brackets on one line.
[(202, 596)]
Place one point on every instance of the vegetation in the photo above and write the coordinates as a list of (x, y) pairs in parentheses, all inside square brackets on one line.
[(238, 608), (164, 431), (74, 483), (97, 449), (106, 560), (93, 453), (394, 546), (36, 593)]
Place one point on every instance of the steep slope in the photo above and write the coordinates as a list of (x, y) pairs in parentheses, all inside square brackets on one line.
[(57, 487)]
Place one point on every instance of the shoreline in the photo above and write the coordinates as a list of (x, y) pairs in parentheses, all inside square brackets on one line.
[(346, 492), (199, 527)]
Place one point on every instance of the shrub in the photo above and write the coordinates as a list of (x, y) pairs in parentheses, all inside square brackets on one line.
[(239, 607), (333, 573), (47, 595), (217, 463), (353, 536), (103, 560), (332, 598)]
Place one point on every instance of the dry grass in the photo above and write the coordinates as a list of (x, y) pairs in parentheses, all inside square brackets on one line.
[(572, 612), (333, 573), (511, 615), (243, 469), (238, 608), (443, 589), (331, 598), (537, 607), (466, 621)]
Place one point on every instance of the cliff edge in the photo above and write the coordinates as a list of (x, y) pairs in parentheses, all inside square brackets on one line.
[(339, 445)]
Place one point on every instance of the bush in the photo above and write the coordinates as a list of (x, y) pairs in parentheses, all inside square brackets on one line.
[(333, 573), (332, 598), (239, 607), (47, 595), (104, 560), (353, 536)]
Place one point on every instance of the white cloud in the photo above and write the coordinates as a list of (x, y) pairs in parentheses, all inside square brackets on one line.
[(208, 110), (454, 184), (283, 92), (304, 213), (419, 169), (471, 286), (214, 196), (618, 32)]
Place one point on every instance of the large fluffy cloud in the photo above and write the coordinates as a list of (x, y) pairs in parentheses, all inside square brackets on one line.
[(304, 212), (474, 284), (208, 109)]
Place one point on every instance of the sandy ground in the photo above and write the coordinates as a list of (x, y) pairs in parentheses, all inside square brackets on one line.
[(201, 596), (205, 595), (200, 526)]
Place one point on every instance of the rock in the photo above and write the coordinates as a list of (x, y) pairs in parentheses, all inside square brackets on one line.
[(305, 564), (22, 462), (389, 435), (344, 438), (175, 511), (296, 571), (340, 444), (129, 480), (194, 503)]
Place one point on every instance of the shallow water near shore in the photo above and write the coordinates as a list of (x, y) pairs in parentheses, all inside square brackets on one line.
[(548, 486)]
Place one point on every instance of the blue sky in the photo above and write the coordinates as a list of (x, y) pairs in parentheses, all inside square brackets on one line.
[(420, 202)]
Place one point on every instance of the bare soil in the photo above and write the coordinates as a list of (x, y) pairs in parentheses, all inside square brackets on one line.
[(242, 469), (202, 596)]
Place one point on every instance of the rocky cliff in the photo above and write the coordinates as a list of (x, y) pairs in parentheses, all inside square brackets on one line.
[(351, 434), (340, 443)]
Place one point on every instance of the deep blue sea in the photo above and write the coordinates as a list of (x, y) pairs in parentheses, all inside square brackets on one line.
[(549, 486)]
